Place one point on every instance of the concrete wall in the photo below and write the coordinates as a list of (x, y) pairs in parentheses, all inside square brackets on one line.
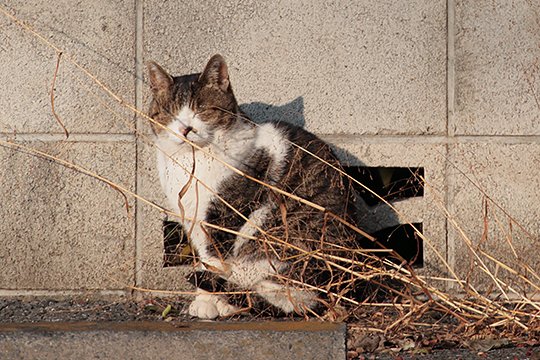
[(450, 86)]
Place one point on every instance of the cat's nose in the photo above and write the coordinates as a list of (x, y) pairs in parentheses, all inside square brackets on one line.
[(187, 131)]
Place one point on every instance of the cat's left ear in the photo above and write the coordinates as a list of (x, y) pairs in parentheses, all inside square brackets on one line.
[(216, 73), (161, 82)]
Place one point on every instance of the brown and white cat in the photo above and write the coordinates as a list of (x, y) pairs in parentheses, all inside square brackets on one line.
[(200, 187)]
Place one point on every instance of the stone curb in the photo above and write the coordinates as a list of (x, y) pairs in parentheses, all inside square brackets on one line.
[(160, 340)]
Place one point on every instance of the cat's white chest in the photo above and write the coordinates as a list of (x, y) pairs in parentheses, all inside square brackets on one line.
[(211, 167), (197, 194), (175, 172)]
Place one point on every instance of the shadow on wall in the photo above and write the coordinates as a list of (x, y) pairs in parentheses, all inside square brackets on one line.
[(292, 112)]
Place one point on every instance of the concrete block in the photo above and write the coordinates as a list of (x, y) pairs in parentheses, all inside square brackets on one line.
[(147, 340), (497, 67), (344, 67), (99, 35), (427, 209), (509, 175), (61, 229)]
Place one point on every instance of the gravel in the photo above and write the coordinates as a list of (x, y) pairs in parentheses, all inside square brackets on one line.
[(21, 311)]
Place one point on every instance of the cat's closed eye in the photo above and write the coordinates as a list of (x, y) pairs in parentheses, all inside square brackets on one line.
[(202, 107)]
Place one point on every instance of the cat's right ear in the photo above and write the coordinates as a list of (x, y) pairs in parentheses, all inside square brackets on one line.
[(161, 82), (216, 73)]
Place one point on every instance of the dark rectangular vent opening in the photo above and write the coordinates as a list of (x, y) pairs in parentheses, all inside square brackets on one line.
[(404, 240), (176, 246), (390, 183)]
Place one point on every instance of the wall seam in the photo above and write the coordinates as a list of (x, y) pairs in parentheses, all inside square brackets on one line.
[(139, 8), (352, 138), (429, 139), (450, 128), (450, 69), (82, 137)]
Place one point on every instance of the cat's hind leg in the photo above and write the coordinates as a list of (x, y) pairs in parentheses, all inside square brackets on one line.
[(257, 275), (287, 298)]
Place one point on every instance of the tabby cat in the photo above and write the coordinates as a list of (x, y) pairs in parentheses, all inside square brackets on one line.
[(213, 163)]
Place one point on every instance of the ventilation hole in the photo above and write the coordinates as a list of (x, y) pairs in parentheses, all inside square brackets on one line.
[(390, 183), (404, 240), (175, 244)]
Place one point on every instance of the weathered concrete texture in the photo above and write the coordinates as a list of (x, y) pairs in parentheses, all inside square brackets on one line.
[(426, 209), (100, 35), (343, 67), (497, 67), (61, 229), (180, 341), (509, 174)]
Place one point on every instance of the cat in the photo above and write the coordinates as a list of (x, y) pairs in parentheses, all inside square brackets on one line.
[(267, 244)]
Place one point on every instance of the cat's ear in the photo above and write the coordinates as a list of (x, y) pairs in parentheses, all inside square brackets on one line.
[(216, 73), (160, 81)]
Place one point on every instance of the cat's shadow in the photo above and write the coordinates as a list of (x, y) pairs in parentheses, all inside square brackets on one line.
[(370, 218), (292, 112)]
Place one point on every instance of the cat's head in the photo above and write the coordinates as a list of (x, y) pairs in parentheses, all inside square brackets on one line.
[(193, 106)]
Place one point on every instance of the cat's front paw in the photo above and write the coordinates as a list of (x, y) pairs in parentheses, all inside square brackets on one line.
[(207, 306), (203, 309)]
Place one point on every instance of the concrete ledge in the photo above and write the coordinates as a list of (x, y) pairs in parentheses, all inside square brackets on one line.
[(159, 340)]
